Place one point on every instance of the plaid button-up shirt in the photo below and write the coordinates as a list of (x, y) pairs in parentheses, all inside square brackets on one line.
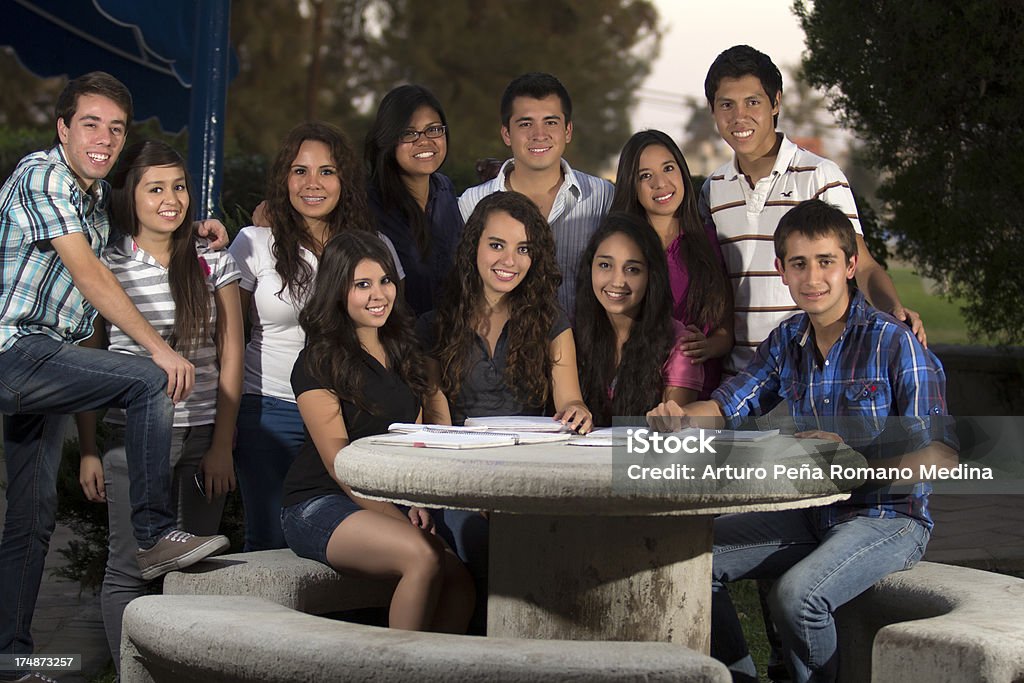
[(39, 202), (878, 388)]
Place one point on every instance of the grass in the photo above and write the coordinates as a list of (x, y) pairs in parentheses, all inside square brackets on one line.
[(942, 318), (748, 608)]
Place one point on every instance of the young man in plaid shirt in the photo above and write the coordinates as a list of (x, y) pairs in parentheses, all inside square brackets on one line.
[(53, 225), (848, 372)]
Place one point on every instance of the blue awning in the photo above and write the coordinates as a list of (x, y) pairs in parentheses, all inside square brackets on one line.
[(148, 46)]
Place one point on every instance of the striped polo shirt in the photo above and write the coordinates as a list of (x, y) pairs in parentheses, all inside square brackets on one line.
[(145, 282), (581, 204), (745, 219), (40, 201)]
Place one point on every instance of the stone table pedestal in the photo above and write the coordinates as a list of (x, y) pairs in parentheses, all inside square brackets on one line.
[(580, 551)]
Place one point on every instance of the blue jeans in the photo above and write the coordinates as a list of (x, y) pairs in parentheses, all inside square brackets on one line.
[(816, 570), (42, 381), (467, 532), (270, 435), (122, 581)]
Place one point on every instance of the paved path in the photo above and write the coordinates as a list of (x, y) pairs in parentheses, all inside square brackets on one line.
[(68, 620), (977, 530)]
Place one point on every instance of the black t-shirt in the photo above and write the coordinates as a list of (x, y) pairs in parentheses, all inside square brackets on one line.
[(483, 392), (383, 388)]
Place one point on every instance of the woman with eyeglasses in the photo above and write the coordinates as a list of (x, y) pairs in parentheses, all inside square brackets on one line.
[(414, 204)]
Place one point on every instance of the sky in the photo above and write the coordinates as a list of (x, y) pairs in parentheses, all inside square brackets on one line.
[(695, 32)]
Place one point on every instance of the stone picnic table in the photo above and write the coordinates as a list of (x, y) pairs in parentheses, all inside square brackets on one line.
[(581, 551)]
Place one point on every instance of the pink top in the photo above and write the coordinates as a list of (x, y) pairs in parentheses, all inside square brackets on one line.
[(679, 281), (678, 371)]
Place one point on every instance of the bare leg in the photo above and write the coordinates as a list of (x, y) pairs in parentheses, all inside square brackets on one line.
[(376, 544)]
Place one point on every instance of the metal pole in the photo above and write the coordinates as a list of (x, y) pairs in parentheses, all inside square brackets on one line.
[(209, 95)]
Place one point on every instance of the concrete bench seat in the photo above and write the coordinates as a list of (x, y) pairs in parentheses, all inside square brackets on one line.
[(283, 577), (186, 638), (937, 623)]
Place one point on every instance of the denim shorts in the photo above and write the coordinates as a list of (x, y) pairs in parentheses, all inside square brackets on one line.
[(308, 525)]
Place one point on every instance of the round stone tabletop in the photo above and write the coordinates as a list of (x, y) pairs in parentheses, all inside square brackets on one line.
[(563, 479)]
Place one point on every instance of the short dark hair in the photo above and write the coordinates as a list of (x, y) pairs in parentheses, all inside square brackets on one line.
[(538, 86), (92, 83), (815, 219), (739, 61)]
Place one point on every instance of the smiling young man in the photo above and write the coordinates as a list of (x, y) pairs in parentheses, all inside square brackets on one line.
[(53, 226), (536, 124), (846, 372), (767, 176)]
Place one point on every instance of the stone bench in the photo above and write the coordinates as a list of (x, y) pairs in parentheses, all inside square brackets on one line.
[(936, 623), (283, 577), (193, 638), (249, 616)]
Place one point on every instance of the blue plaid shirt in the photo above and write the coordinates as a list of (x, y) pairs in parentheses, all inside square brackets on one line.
[(40, 201), (878, 388)]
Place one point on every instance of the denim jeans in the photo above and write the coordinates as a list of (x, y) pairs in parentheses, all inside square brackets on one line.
[(467, 532), (122, 581), (816, 570), (42, 381), (270, 435)]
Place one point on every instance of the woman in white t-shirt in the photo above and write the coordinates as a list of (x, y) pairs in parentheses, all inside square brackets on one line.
[(315, 190)]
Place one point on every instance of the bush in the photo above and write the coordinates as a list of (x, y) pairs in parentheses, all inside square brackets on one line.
[(15, 143)]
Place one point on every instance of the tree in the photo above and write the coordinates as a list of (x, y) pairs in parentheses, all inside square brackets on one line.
[(934, 89), (466, 52)]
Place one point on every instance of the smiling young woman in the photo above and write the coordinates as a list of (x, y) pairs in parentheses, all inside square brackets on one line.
[(315, 190), (413, 202), (634, 359), (361, 371), (653, 183)]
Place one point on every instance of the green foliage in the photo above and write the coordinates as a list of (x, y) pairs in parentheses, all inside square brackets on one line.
[(86, 553), (935, 90), (335, 59), (15, 143), (244, 187), (468, 51)]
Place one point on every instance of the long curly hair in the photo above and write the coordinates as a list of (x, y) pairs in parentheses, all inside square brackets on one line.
[(393, 116), (185, 276), (639, 383), (532, 305), (706, 298), (333, 352), (288, 226)]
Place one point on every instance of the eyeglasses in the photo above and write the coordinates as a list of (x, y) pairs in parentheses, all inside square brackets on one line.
[(414, 135)]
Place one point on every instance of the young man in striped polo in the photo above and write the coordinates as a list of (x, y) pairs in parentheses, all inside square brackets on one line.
[(768, 176)]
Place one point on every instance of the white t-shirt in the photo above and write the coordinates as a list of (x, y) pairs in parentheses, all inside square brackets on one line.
[(276, 336)]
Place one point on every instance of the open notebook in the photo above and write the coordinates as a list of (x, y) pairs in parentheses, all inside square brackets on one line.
[(516, 423), (444, 437), (436, 438)]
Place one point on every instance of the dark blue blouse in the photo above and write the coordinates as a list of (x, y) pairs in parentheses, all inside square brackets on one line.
[(424, 277)]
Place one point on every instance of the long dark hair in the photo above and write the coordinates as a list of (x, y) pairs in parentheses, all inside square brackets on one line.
[(288, 226), (393, 116), (638, 378), (333, 352), (706, 298), (187, 281), (532, 304)]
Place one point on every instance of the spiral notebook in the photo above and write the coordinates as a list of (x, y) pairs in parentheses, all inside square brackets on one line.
[(439, 438)]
